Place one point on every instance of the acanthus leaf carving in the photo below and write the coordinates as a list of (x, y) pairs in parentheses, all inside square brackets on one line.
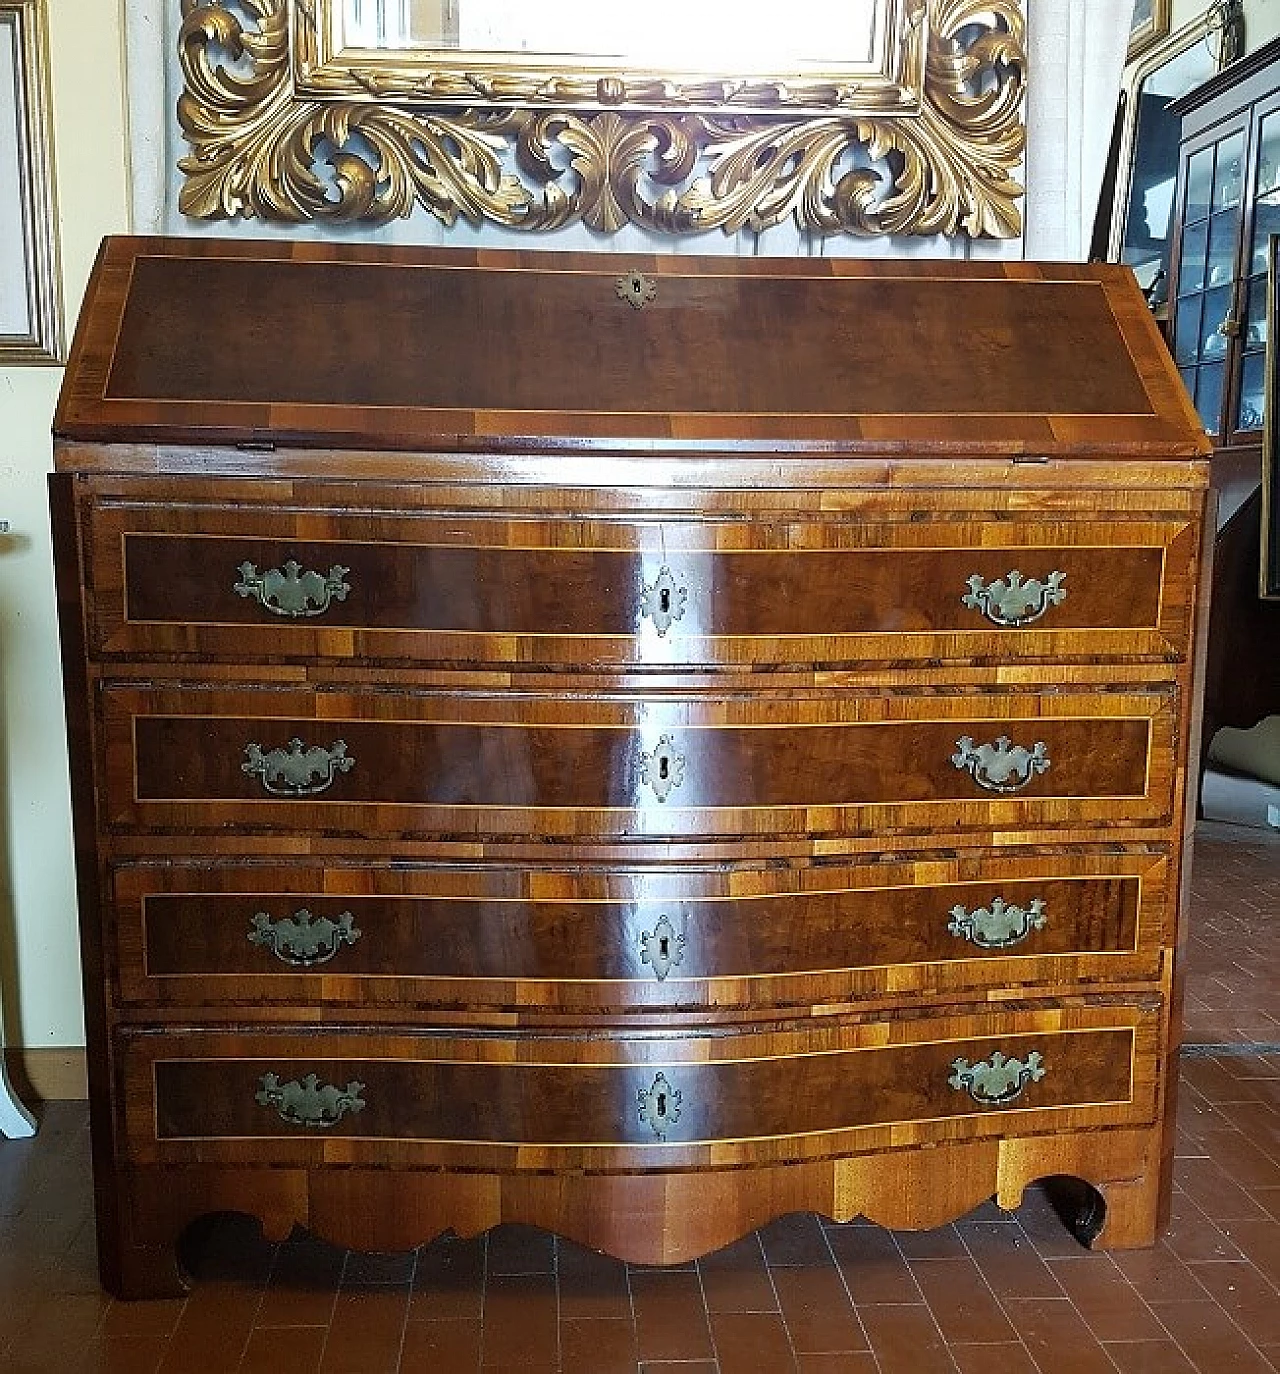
[(257, 142)]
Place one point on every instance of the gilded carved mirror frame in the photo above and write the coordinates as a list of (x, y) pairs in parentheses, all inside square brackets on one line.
[(286, 125)]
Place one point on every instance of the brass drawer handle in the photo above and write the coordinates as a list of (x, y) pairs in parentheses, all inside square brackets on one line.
[(664, 601), (998, 926), (660, 1106), (663, 770), (662, 948), (290, 592), (309, 1104), (297, 771), (1011, 602), (1002, 766), (303, 940), (997, 1080)]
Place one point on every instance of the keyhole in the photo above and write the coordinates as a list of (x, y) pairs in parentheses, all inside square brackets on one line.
[(663, 769), (662, 1104), (662, 947), (664, 599)]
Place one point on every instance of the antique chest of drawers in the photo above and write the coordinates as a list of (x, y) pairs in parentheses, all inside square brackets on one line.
[(636, 762)]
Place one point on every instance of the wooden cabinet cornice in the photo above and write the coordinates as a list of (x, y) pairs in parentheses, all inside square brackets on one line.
[(631, 745)]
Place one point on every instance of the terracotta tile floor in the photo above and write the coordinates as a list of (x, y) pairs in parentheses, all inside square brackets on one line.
[(993, 1294)]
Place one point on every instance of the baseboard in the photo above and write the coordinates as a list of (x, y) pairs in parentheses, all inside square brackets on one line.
[(48, 1075)]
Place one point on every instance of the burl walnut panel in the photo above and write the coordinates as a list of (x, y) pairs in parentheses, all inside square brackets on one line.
[(656, 594), (533, 1101), (514, 353), (236, 935), (741, 743), (654, 767)]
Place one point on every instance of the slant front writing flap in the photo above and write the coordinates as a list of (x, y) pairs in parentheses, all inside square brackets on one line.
[(397, 348)]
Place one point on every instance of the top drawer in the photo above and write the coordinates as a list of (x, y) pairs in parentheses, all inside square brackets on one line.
[(263, 583)]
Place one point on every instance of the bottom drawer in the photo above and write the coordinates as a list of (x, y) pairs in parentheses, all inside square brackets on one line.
[(539, 1101)]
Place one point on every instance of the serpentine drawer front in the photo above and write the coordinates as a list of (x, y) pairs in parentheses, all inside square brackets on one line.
[(246, 585), (652, 767), (239, 935), (608, 1100)]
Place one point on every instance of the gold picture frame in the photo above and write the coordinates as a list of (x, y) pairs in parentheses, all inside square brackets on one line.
[(288, 122), (1151, 20), (30, 278)]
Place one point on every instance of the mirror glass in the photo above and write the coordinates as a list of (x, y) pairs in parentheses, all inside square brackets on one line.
[(1155, 167), (714, 35)]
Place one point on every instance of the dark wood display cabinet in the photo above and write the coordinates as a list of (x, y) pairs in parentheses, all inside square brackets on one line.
[(636, 746), (1227, 207)]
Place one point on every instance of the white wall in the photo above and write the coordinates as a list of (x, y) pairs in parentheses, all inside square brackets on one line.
[(39, 962)]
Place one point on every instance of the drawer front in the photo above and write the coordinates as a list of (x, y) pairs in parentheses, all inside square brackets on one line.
[(264, 584), (281, 1097), (238, 935), (660, 767)]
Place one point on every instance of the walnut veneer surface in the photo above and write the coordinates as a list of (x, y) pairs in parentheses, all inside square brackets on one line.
[(636, 772)]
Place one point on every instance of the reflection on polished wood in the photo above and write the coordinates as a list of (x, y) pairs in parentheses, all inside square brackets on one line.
[(697, 814), (829, 763), (538, 937), (790, 591)]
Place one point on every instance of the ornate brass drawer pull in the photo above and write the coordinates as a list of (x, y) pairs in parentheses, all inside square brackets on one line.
[(290, 592), (664, 601), (663, 770), (309, 1104), (997, 1080), (303, 940), (1002, 766), (662, 948), (297, 771), (1011, 602), (998, 926), (660, 1106)]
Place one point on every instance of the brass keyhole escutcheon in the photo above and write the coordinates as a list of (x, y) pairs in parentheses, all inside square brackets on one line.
[(663, 770), (662, 948), (636, 289), (660, 1106), (663, 600)]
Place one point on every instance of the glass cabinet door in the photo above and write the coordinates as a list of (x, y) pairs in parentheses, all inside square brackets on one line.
[(1205, 310), (1266, 221)]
